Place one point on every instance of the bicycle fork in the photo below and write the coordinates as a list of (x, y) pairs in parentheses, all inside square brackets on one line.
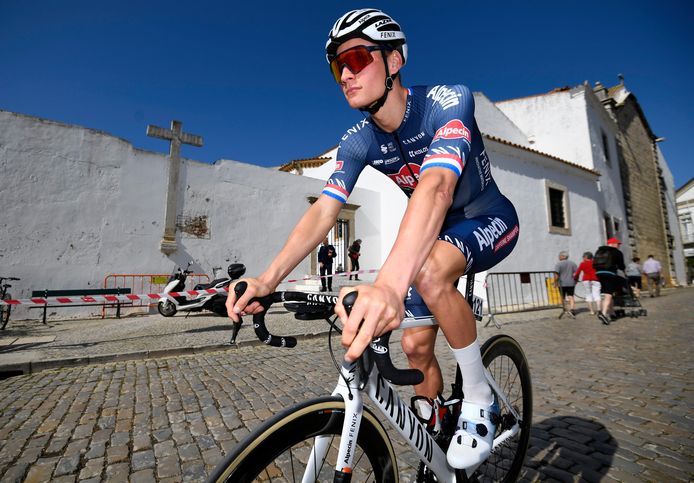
[(347, 388), (396, 411)]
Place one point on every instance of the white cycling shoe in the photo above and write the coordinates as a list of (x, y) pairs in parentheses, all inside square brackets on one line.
[(474, 435)]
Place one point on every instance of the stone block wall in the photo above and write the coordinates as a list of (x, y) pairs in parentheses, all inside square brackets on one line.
[(643, 189)]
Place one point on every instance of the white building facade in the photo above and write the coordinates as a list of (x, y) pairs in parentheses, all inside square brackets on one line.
[(572, 124), (79, 204), (685, 214)]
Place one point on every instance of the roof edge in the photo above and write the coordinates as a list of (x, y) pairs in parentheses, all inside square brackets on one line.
[(535, 151)]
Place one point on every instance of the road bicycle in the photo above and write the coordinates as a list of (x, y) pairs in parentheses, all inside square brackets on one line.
[(5, 310), (337, 438)]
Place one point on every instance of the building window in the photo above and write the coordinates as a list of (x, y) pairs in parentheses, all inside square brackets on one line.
[(605, 146), (686, 228), (615, 223), (558, 209)]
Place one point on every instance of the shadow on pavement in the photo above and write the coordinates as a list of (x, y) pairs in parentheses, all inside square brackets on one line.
[(20, 347), (568, 447), (212, 328)]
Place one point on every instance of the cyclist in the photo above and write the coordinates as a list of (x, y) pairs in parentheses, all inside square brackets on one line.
[(457, 221)]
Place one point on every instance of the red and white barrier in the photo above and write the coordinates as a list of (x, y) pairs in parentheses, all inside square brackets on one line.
[(150, 296)]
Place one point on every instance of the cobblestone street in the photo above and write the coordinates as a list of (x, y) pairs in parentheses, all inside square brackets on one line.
[(611, 403)]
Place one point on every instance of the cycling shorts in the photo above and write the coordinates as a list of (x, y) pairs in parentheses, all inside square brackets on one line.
[(484, 240)]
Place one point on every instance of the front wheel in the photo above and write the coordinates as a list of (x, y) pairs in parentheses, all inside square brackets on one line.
[(280, 449), (5, 311), (167, 308)]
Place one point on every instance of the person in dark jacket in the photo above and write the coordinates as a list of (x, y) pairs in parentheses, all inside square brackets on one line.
[(326, 253), (354, 257), (610, 280)]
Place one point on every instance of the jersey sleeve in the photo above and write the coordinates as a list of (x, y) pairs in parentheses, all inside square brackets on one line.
[(451, 120), (350, 160)]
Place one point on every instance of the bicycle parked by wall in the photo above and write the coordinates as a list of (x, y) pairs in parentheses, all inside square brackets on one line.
[(5, 310), (336, 438)]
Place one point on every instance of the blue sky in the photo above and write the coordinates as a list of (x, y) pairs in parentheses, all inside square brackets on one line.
[(251, 78)]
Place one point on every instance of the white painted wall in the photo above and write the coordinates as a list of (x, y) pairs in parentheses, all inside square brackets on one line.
[(491, 120), (685, 210), (556, 122), (390, 210), (673, 220), (568, 124), (79, 204), (521, 176)]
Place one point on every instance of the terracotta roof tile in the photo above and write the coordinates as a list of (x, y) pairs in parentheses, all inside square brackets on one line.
[(304, 163)]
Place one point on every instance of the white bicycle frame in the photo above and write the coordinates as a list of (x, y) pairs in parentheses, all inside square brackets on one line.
[(401, 417)]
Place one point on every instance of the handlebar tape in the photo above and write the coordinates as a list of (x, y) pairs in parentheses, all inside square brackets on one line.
[(259, 320), (380, 352)]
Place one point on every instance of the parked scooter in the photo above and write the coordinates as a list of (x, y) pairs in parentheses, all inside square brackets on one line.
[(203, 301)]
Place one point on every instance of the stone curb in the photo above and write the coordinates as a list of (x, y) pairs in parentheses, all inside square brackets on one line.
[(32, 367)]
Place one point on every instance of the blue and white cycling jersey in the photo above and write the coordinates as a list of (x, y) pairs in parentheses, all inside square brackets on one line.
[(438, 131)]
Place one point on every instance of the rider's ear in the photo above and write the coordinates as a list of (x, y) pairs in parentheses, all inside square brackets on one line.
[(394, 62)]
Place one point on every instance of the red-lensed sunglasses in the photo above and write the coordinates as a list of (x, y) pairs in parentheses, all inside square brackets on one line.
[(355, 59)]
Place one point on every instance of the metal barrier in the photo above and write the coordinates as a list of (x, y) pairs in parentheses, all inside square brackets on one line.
[(148, 283), (509, 292)]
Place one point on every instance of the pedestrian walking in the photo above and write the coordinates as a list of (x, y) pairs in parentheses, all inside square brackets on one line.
[(608, 260), (591, 284), (634, 275), (564, 279), (653, 270)]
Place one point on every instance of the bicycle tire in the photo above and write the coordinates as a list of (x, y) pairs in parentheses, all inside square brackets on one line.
[(5, 311), (262, 449), (504, 358)]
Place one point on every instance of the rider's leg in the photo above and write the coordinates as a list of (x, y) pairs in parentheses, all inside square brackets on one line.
[(443, 267), (418, 345), (474, 435)]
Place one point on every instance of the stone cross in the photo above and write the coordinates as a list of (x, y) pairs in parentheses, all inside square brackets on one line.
[(177, 137)]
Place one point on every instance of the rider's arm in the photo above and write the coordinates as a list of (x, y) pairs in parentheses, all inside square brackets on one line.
[(433, 196), (419, 229), (309, 232), (381, 307)]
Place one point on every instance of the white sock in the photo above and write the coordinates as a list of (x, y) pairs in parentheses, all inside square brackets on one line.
[(475, 385)]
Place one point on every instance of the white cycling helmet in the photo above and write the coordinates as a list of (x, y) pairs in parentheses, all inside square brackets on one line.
[(366, 23)]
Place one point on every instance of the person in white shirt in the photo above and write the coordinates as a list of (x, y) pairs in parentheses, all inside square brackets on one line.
[(652, 268)]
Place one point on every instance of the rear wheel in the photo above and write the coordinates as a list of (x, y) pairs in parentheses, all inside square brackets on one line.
[(505, 359), (5, 311), (280, 449), (167, 308)]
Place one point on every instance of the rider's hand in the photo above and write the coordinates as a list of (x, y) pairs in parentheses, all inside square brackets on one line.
[(255, 288), (379, 307)]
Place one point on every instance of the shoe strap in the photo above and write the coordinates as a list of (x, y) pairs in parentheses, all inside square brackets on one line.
[(475, 412)]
